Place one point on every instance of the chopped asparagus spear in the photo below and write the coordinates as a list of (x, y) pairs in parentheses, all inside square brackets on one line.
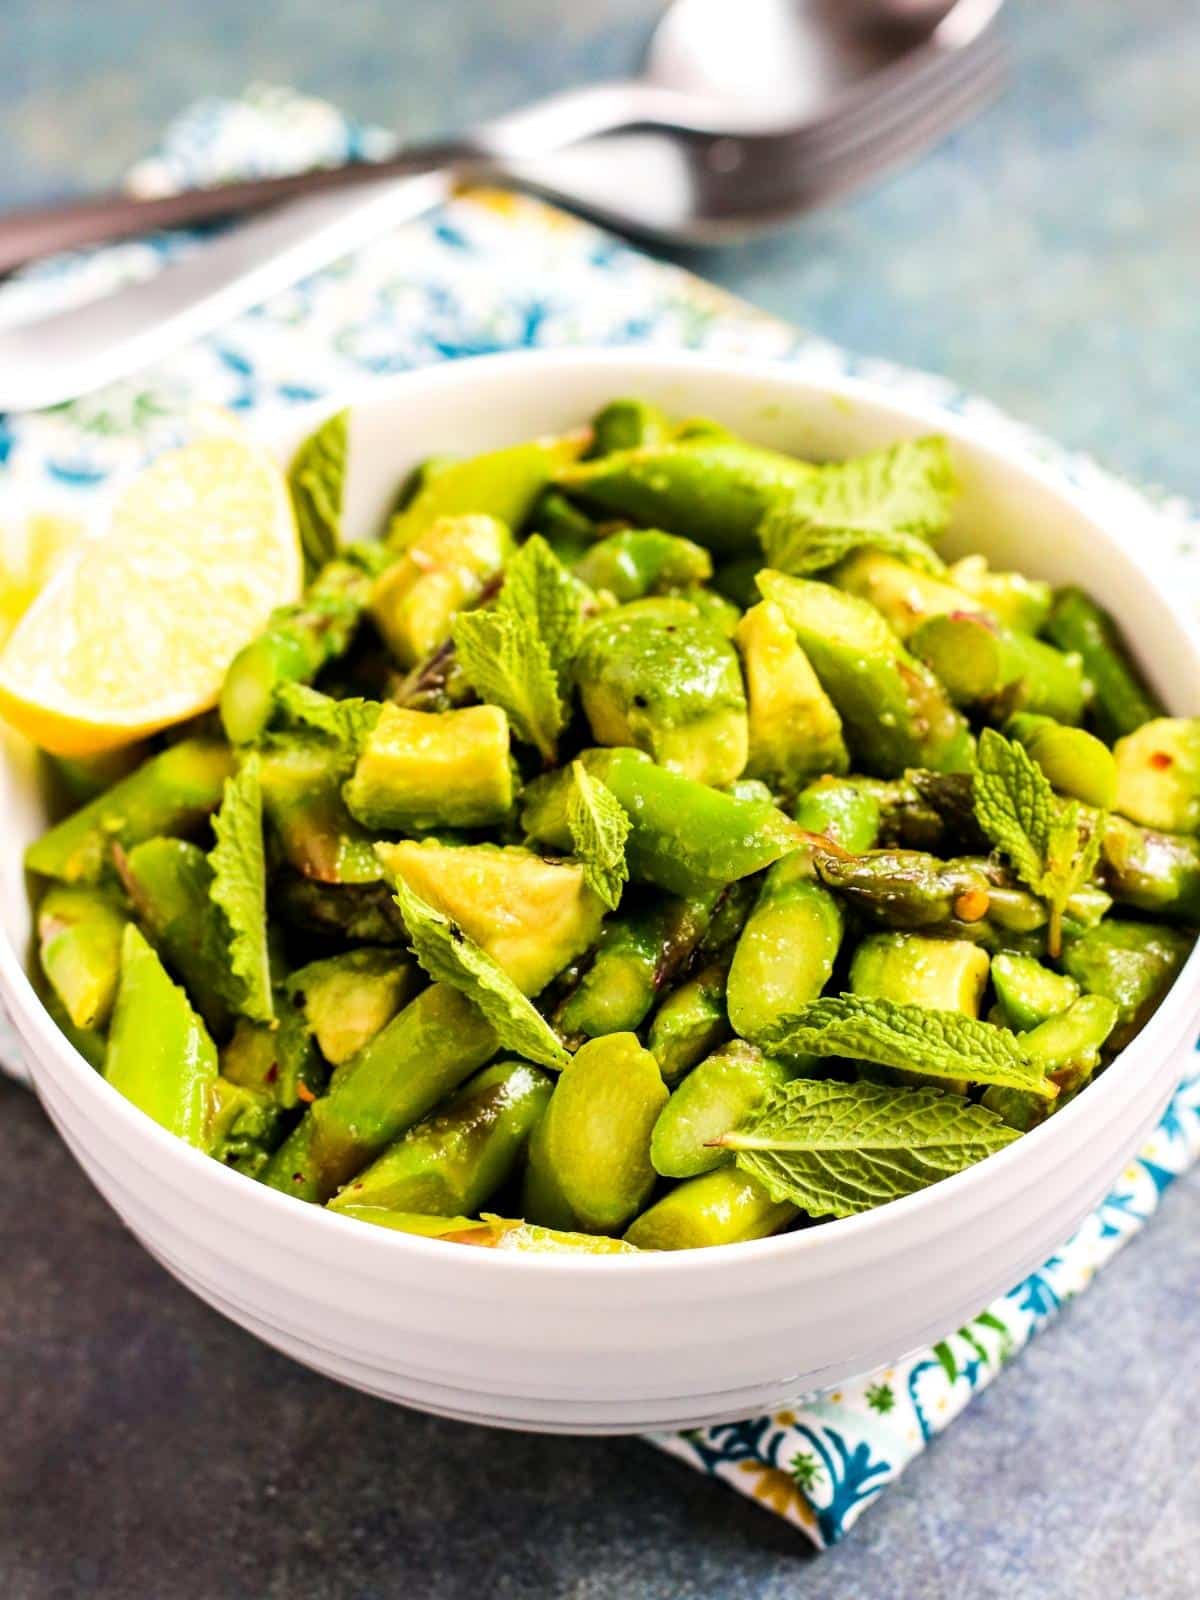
[(637, 955), (713, 1099), (1130, 963), (504, 484), (1029, 993), (683, 836), (159, 1055), (785, 955), (299, 640), (844, 810), (169, 883), (906, 888), (589, 1157), (172, 793), (691, 1022), (428, 1049), (79, 931), (642, 561), (713, 490), (627, 424), (987, 666), (455, 1159), (1121, 701), (1151, 871), (1074, 761), (721, 1207), (302, 779)]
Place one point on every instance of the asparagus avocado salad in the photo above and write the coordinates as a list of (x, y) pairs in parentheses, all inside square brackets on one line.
[(649, 842)]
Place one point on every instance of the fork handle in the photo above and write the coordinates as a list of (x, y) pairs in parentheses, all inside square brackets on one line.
[(27, 234), (537, 129)]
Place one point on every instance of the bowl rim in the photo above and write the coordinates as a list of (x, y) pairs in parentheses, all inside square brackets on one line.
[(1000, 438)]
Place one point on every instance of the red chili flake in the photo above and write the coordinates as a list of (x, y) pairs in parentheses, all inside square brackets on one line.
[(1160, 760)]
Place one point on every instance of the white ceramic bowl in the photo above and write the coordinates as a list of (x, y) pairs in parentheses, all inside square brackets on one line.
[(658, 1341)]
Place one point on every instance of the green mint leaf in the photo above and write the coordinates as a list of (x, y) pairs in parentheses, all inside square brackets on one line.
[(835, 1149), (449, 956), (1052, 844), (347, 722), (894, 500), (1014, 804), (317, 479), (507, 663), (239, 889), (936, 1044), (540, 590), (599, 828)]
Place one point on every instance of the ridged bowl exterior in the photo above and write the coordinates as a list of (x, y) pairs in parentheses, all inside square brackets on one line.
[(623, 1344)]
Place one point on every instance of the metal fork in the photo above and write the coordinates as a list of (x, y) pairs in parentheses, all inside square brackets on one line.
[(678, 164)]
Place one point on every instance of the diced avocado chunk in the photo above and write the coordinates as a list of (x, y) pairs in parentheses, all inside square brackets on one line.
[(433, 769), (443, 571), (348, 998), (1012, 598), (1158, 774), (894, 711), (795, 733), (914, 970), (533, 917), (656, 676), (1028, 992), (902, 595)]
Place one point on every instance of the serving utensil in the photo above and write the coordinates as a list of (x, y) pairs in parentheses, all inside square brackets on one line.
[(742, 116)]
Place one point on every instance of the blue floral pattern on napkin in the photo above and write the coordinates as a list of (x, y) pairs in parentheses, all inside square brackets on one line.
[(490, 272)]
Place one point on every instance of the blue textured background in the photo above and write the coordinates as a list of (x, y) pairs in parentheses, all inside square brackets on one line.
[(1046, 256)]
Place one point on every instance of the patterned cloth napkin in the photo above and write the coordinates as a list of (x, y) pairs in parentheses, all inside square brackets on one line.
[(490, 272)]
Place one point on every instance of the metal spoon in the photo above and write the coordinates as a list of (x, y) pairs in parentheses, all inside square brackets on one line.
[(746, 115)]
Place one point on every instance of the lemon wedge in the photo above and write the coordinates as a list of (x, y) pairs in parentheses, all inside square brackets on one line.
[(135, 630)]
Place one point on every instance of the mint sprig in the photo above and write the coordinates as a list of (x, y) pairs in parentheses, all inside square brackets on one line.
[(1051, 844), (835, 1149), (347, 722), (517, 653), (317, 480), (946, 1045), (239, 889), (894, 500), (599, 829)]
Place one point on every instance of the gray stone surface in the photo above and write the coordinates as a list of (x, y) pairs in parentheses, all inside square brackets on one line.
[(1046, 256)]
